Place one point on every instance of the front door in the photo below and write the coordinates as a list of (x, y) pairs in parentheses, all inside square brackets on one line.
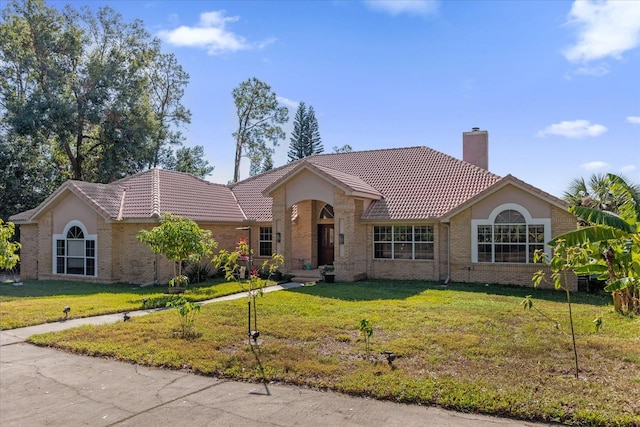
[(325, 244)]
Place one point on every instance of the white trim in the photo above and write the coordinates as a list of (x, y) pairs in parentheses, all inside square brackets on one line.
[(63, 236), (529, 220)]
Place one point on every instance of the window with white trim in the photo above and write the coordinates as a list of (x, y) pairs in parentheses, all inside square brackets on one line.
[(266, 241), (75, 251), (509, 235), (403, 242)]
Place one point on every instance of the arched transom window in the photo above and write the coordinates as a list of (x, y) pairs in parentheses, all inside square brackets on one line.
[(75, 251), (326, 212), (510, 235)]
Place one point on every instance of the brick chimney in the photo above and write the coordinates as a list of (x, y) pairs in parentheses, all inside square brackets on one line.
[(475, 147)]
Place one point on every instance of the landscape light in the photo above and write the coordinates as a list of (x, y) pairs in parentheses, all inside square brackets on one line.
[(391, 356)]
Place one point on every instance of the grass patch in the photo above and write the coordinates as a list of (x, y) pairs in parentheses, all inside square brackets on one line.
[(42, 301), (463, 347)]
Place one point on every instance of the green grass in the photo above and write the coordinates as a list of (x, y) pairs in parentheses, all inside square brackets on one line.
[(37, 302), (464, 347)]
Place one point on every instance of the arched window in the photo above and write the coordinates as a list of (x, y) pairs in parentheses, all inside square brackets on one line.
[(326, 212), (509, 235), (75, 251)]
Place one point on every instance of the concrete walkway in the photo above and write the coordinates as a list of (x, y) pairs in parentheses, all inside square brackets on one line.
[(43, 386)]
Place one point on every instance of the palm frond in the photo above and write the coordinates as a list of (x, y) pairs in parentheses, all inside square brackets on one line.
[(598, 217), (596, 233)]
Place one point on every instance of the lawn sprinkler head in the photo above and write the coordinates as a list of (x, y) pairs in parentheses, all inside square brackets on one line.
[(126, 317), (66, 311), (391, 356)]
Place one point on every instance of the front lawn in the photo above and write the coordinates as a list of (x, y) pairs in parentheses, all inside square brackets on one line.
[(42, 301), (464, 347)]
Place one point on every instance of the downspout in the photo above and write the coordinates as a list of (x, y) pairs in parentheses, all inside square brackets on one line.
[(446, 282)]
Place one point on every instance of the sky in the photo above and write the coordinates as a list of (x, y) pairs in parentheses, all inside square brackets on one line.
[(555, 83)]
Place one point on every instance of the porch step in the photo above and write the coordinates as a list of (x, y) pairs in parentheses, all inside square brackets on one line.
[(306, 276)]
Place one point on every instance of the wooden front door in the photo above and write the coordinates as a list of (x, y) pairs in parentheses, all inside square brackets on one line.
[(325, 244)]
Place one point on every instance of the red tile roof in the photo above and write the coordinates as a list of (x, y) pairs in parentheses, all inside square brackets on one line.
[(404, 183), (149, 194), (156, 191), (415, 183)]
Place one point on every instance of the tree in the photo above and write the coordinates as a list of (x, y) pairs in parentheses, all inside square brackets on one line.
[(93, 88), (596, 194), (344, 149), (565, 258), (612, 241), (305, 138), (29, 172), (190, 160), (167, 82), (179, 240), (8, 249), (259, 120)]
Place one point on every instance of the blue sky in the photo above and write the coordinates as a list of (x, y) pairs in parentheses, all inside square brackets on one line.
[(556, 83)]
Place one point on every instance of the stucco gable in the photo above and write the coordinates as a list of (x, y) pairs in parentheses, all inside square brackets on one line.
[(102, 198), (351, 185), (508, 180)]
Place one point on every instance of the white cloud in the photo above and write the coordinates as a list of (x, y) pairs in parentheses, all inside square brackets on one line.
[(634, 119), (287, 102), (628, 169), (605, 29), (210, 33), (410, 7), (597, 70), (573, 129), (596, 166)]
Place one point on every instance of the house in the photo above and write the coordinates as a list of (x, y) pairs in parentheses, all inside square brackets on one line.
[(405, 213)]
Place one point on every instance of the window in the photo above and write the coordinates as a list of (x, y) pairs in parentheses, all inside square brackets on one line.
[(403, 242), (326, 212), (510, 235), (75, 251), (266, 241)]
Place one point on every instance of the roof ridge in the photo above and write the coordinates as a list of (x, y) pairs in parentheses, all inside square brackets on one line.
[(155, 194)]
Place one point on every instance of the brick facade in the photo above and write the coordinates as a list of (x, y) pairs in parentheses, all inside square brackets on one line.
[(122, 258)]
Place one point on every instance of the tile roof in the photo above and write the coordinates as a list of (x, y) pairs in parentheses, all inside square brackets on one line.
[(156, 191), (415, 183), (149, 194)]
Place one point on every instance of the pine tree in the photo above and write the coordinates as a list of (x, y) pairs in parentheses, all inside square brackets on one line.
[(315, 142), (305, 138)]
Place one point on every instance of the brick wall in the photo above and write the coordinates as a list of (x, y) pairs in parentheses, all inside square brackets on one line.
[(463, 270), (29, 251)]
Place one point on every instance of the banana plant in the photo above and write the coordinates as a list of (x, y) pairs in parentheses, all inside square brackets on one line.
[(613, 244)]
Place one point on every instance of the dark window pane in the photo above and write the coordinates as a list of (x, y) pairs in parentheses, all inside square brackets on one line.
[(60, 265), (75, 265), (382, 233), (382, 250), (60, 248), (402, 250), (90, 248), (91, 267), (265, 249), (424, 250), (510, 253)]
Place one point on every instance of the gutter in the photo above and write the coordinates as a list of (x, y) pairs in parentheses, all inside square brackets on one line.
[(446, 282)]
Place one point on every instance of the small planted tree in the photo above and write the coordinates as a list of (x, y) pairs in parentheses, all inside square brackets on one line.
[(8, 256), (366, 329), (231, 263), (564, 260), (187, 311), (179, 240)]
